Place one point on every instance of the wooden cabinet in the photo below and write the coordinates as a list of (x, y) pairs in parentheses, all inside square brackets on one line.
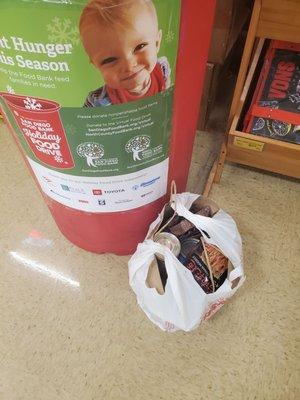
[(271, 19)]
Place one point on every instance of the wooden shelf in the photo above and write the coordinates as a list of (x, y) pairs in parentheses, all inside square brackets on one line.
[(271, 19), (265, 153), (279, 20)]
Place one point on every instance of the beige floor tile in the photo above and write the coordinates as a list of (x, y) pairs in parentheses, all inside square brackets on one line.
[(71, 329)]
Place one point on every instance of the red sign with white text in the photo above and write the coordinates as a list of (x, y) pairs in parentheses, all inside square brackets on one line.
[(40, 124)]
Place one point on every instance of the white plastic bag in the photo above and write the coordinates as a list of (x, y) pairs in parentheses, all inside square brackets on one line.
[(184, 304)]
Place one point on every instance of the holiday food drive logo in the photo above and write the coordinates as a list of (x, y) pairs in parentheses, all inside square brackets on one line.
[(40, 124)]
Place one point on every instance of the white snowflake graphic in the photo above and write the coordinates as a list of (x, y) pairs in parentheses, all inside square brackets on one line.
[(31, 104), (58, 159), (10, 89), (170, 35), (61, 31)]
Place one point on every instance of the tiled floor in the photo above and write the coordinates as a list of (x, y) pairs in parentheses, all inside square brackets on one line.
[(71, 328)]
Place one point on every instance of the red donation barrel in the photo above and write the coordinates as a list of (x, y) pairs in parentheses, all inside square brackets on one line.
[(103, 103)]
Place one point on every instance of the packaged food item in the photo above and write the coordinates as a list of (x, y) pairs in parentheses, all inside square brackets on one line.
[(181, 228), (201, 273), (207, 263), (187, 228), (208, 266), (204, 206), (217, 260), (168, 219), (188, 246), (275, 107)]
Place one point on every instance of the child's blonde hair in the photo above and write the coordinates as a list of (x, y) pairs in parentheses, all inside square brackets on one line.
[(109, 12)]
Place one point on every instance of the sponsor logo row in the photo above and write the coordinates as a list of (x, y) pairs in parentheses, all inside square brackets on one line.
[(100, 192), (103, 201)]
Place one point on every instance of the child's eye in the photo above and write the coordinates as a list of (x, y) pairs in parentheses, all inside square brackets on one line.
[(140, 46), (108, 60)]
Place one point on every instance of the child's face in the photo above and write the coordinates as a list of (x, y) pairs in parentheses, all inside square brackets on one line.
[(126, 55)]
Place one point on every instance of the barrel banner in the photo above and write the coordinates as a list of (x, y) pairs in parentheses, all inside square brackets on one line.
[(87, 87)]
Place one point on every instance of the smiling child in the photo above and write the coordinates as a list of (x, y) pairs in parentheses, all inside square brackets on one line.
[(122, 40)]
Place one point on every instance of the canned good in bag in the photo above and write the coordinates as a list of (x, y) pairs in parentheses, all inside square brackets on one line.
[(169, 240)]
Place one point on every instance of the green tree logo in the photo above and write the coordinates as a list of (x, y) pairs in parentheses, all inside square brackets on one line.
[(137, 144), (91, 152)]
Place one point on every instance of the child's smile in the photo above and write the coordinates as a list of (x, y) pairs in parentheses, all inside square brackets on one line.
[(127, 54)]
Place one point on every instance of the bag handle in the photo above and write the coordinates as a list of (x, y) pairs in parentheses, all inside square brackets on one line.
[(208, 264), (171, 202), (173, 192), (237, 272)]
